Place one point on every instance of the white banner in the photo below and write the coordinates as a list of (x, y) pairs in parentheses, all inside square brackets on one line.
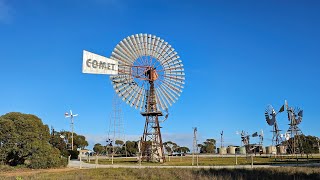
[(96, 64)]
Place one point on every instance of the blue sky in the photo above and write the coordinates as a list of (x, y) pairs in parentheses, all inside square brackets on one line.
[(239, 56)]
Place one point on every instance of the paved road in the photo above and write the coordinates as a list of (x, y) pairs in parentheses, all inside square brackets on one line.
[(77, 164)]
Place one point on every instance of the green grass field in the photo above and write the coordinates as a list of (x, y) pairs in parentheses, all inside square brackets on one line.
[(176, 173), (214, 161)]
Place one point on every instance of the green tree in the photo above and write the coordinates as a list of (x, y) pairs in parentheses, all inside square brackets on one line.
[(170, 147), (132, 147), (183, 149), (25, 140), (98, 148), (209, 146), (306, 144), (119, 142), (57, 140), (79, 141)]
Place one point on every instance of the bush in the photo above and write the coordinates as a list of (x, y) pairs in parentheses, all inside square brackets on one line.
[(46, 157), (25, 141)]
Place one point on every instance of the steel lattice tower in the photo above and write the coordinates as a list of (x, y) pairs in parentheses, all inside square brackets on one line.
[(116, 126), (151, 142)]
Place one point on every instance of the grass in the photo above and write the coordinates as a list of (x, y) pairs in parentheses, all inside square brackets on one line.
[(179, 173), (214, 161)]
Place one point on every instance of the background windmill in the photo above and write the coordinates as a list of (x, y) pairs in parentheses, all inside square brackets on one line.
[(270, 115), (221, 139), (293, 135)]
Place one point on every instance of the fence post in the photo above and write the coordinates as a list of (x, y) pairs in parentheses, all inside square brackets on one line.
[(251, 160)]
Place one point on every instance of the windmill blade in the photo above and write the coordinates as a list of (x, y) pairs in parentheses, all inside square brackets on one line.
[(255, 134), (300, 113), (281, 109), (270, 115)]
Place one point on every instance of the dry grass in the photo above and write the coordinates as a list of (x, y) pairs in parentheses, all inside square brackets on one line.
[(177, 173), (214, 161)]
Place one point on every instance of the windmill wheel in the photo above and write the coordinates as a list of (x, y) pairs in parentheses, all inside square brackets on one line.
[(270, 115), (145, 58)]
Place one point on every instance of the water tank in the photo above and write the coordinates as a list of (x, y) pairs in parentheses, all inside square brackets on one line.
[(281, 149), (271, 150), (222, 150), (231, 150), (242, 150)]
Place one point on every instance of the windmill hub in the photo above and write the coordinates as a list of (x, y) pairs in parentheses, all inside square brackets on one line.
[(151, 74)]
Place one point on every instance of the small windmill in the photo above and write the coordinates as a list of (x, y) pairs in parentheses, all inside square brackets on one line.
[(261, 141), (261, 137), (270, 115), (245, 138), (71, 116)]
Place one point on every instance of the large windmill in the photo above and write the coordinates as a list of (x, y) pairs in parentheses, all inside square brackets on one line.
[(147, 74)]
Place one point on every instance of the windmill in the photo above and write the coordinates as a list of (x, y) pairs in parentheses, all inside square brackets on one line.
[(294, 132), (261, 138), (270, 115), (150, 78), (245, 138), (71, 116), (147, 73)]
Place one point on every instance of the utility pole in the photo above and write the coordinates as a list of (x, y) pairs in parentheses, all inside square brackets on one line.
[(67, 115), (194, 144)]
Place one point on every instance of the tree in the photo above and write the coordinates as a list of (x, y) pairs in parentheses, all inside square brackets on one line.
[(119, 142), (209, 146), (170, 147), (132, 147), (24, 139), (79, 141), (183, 149), (98, 148), (308, 144), (58, 141)]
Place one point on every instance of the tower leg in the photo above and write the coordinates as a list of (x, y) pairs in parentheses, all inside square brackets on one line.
[(151, 145)]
